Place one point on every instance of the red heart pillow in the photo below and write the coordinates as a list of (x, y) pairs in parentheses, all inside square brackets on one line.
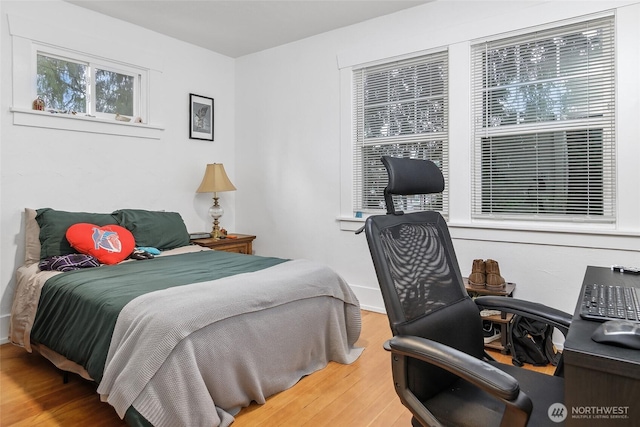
[(110, 244)]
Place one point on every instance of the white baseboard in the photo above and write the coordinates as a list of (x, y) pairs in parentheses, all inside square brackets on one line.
[(370, 299), (373, 309)]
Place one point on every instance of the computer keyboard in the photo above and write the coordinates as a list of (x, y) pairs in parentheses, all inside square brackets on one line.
[(609, 302)]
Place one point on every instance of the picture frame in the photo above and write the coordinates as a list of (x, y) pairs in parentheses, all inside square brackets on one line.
[(201, 118)]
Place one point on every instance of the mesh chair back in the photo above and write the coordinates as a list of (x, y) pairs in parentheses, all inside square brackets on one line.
[(415, 263), (419, 276)]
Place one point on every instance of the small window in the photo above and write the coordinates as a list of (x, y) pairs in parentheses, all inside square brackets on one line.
[(71, 84), (62, 83), (87, 79), (114, 92)]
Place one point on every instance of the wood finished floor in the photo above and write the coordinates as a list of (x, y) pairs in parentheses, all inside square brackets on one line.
[(361, 394)]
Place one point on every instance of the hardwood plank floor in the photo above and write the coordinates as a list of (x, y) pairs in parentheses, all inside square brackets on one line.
[(361, 394)]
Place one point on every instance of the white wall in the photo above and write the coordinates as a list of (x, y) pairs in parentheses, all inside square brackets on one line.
[(79, 171), (290, 137)]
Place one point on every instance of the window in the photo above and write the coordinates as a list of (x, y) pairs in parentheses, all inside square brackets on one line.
[(544, 135), (72, 84), (400, 109), (114, 92), (92, 75)]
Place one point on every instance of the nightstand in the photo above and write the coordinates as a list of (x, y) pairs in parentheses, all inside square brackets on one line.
[(242, 244)]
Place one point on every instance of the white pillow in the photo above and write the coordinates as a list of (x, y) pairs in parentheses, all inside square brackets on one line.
[(32, 237)]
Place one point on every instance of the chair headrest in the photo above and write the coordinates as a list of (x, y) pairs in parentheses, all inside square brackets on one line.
[(411, 176)]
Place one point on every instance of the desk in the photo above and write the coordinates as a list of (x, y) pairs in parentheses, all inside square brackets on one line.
[(599, 377)]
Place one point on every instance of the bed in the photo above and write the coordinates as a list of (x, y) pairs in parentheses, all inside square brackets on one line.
[(186, 338)]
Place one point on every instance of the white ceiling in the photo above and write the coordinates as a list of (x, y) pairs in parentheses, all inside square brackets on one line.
[(237, 28)]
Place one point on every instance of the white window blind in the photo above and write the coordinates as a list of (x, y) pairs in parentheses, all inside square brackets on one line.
[(544, 131), (400, 110)]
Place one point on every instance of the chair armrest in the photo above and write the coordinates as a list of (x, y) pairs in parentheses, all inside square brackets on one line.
[(532, 310), (518, 405), (469, 368)]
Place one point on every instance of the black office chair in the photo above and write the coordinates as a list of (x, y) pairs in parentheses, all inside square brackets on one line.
[(440, 369)]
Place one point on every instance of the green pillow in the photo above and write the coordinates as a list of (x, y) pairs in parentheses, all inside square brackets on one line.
[(54, 224), (160, 230)]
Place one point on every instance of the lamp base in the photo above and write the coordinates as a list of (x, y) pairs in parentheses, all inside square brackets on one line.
[(216, 212), (216, 233)]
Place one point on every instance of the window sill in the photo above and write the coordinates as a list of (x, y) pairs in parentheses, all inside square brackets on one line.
[(350, 224), (509, 232), (43, 119)]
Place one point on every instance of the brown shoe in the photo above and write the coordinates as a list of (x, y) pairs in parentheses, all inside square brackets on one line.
[(477, 278), (494, 279)]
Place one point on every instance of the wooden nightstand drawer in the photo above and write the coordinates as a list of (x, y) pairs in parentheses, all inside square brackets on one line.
[(242, 244)]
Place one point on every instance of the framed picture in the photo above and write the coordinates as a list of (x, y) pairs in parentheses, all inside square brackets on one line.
[(200, 117)]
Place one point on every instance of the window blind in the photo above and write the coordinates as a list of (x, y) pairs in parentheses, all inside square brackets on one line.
[(400, 109), (544, 131)]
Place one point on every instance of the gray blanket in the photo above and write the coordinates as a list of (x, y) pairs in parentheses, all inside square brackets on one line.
[(194, 355)]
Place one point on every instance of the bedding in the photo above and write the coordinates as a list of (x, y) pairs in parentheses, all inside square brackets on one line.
[(190, 337), (69, 328)]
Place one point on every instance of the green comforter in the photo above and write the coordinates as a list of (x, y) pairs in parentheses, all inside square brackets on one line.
[(78, 310)]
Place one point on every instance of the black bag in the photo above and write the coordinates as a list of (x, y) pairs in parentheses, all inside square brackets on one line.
[(531, 342)]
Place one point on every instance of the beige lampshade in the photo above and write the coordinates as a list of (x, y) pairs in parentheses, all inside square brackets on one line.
[(215, 180)]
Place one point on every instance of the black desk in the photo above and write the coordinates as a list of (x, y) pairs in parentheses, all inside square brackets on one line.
[(602, 382)]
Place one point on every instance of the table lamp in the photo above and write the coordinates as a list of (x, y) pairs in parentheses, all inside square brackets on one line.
[(214, 181)]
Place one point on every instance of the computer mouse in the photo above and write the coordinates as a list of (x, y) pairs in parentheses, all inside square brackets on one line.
[(623, 333)]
